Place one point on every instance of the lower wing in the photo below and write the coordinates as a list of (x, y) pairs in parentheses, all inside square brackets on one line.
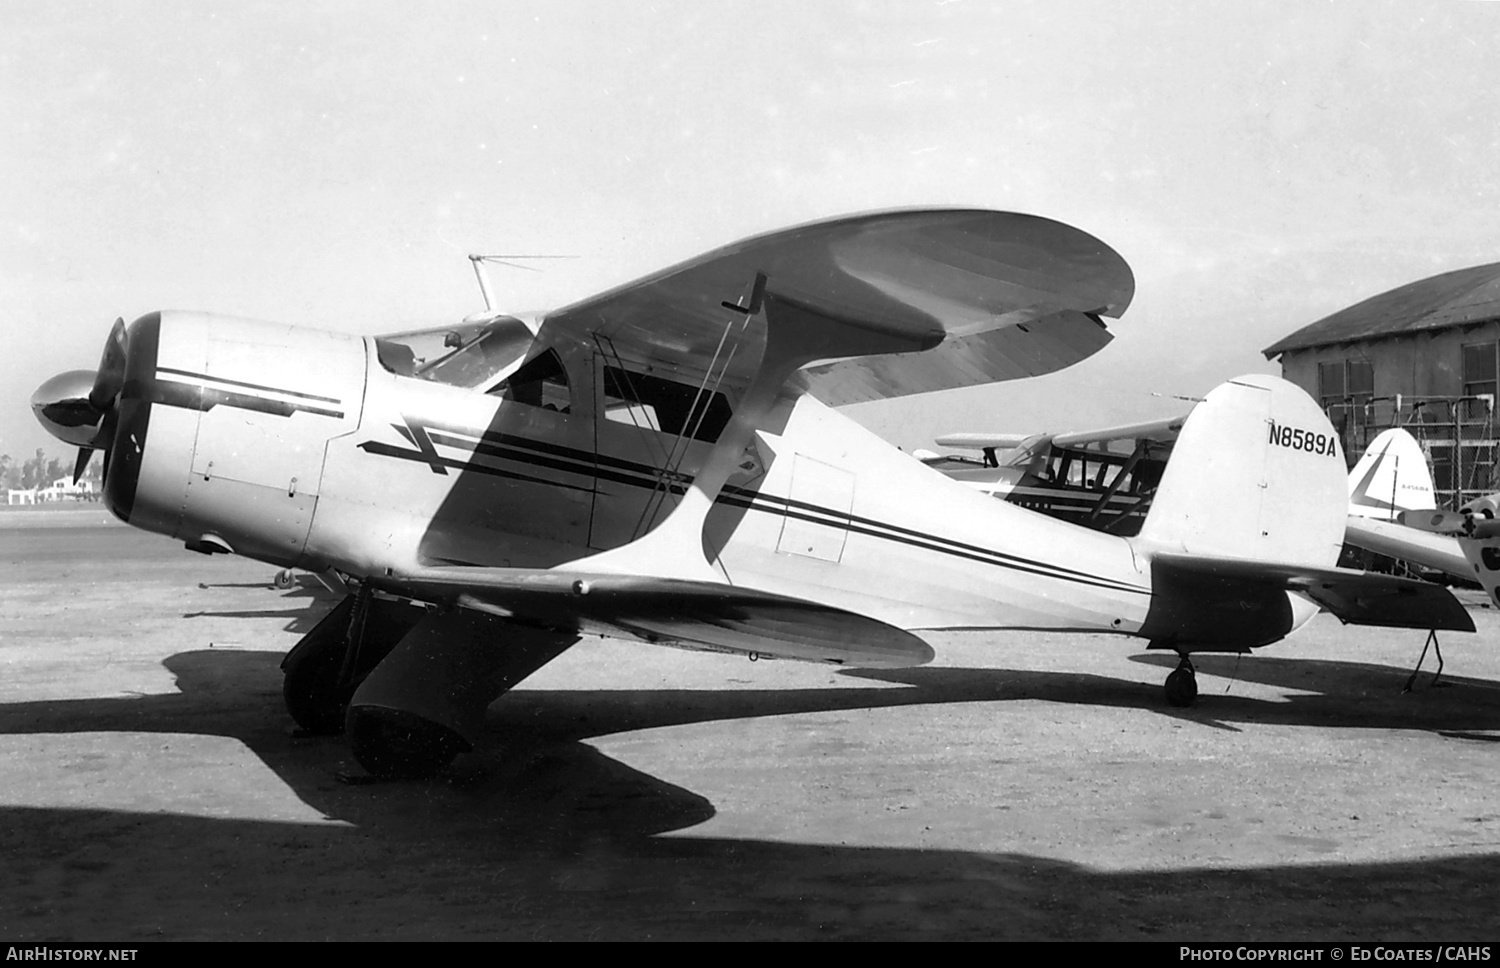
[(671, 611)]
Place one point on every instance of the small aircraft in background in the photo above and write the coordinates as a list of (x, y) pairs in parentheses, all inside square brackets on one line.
[(1080, 477), (1393, 508), (1105, 479), (662, 461)]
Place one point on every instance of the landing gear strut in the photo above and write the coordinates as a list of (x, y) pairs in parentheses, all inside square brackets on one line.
[(425, 701), (1182, 684), (324, 669)]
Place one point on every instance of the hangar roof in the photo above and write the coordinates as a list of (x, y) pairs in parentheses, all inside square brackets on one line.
[(1456, 298)]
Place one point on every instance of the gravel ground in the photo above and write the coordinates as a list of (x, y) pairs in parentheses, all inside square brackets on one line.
[(1022, 786)]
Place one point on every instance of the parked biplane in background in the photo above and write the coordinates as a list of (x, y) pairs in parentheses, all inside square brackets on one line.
[(1080, 477), (661, 461)]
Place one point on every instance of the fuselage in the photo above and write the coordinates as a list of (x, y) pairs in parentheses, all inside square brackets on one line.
[(302, 448)]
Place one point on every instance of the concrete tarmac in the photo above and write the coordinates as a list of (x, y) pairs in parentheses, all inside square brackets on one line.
[(1022, 786)]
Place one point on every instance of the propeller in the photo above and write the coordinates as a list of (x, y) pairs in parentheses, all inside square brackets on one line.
[(1479, 518), (78, 407), (1435, 521)]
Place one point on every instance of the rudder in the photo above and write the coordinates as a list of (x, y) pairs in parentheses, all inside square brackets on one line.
[(1257, 472)]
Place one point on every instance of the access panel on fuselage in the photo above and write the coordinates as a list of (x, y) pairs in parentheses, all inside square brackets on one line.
[(270, 398)]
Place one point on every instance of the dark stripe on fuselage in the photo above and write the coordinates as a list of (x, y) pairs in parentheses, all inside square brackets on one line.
[(440, 463), (589, 460), (193, 396), (417, 456), (572, 460), (643, 478), (803, 511), (247, 386)]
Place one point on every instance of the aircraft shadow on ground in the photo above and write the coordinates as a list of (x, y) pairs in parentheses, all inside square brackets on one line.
[(1338, 694), (540, 835), (535, 762), (308, 599), (78, 874)]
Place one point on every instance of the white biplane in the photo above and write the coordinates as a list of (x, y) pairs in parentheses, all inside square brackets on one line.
[(662, 461)]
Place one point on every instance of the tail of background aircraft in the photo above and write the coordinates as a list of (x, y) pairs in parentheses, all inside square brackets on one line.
[(1390, 478), (1257, 473)]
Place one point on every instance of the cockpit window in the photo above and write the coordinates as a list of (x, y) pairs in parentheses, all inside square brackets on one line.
[(470, 355), (664, 405), (540, 382)]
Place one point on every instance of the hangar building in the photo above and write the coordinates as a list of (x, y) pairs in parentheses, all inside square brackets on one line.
[(1424, 356)]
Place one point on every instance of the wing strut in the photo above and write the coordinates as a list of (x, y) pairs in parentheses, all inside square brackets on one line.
[(672, 459), (796, 334), (1119, 481), (679, 445)]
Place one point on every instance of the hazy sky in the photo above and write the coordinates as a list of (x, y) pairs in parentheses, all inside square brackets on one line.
[(1260, 165)]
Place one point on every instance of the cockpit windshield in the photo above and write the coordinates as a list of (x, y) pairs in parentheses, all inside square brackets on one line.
[(469, 355)]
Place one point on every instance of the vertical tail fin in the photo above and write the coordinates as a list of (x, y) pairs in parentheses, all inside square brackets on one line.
[(1256, 473), (1390, 478)]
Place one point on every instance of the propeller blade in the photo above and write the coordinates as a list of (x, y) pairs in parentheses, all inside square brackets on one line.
[(1434, 522), (110, 379), (84, 453)]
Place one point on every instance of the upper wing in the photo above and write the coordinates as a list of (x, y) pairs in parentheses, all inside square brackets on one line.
[(989, 295), (674, 611)]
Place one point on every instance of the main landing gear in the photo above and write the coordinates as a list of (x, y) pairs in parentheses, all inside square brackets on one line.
[(408, 684), (327, 666), (1182, 684)]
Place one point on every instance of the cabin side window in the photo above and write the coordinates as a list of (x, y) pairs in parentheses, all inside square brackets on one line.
[(540, 382), (650, 402)]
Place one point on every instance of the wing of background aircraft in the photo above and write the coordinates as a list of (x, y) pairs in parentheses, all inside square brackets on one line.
[(1162, 431)]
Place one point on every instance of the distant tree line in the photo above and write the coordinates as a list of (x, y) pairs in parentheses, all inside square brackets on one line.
[(39, 470)]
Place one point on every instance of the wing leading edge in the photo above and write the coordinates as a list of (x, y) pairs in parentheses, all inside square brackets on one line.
[(673, 611)]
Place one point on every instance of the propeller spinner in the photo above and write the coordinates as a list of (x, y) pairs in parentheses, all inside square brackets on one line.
[(75, 406)]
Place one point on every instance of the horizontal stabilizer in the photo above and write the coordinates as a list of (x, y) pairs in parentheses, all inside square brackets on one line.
[(1355, 597), (673, 611)]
